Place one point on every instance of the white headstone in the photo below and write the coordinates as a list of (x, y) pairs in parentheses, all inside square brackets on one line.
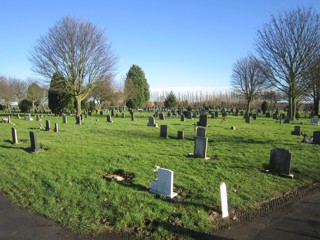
[(164, 184), (224, 200)]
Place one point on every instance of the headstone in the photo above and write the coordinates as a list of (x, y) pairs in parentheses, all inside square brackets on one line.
[(161, 116), (78, 120), (248, 119), (315, 121), (194, 114), (64, 119), (212, 115), (189, 116), (180, 134), (164, 131), (316, 137), (280, 160), (201, 132), (38, 117), (34, 143), (268, 115), (164, 184), (56, 127), (200, 147), (123, 115), (224, 200), (254, 116), (296, 131), (47, 125), (216, 114), (9, 119), (203, 121), (101, 113), (182, 118), (152, 122), (109, 118), (14, 136)]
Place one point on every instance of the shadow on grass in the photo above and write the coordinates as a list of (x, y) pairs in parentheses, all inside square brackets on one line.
[(178, 230)]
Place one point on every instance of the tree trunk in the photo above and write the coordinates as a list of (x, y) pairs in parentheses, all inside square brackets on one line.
[(33, 106), (78, 100), (316, 105), (248, 107)]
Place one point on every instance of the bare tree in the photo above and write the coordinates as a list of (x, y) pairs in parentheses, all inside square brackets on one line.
[(248, 79), (288, 45), (79, 52), (314, 81), (34, 93), (6, 92), (19, 88), (103, 92)]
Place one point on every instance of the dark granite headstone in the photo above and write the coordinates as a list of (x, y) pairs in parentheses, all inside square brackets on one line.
[(78, 120), (316, 137), (109, 118), (201, 132), (152, 122), (296, 131), (180, 134), (280, 160), (34, 143), (182, 118), (56, 127), (203, 121), (200, 147), (47, 125), (161, 116), (189, 116), (248, 119), (64, 119), (164, 131)]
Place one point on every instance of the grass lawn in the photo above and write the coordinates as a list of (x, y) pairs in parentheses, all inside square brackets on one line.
[(65, 181)]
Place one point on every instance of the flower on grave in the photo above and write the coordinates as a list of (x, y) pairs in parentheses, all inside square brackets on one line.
[(155, 171)]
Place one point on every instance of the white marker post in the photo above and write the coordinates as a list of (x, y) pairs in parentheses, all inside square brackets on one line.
[(224, 200)]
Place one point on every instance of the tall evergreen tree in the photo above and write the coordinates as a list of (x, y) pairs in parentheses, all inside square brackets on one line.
[(59, 98), (171, 100), (136, 84)]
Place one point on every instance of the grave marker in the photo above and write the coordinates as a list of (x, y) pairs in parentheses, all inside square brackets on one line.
[(180, 134), (78, 120), (224, 200), (164, 184), (280, 160), (164, 131), (47, 125), (201, 132), (14, 136), (109, 118), (152, 122), (296, 131), (34, 143), (203, 121), (161, 116), (64, 119), (316, 137), (182, 118), (56, 127)]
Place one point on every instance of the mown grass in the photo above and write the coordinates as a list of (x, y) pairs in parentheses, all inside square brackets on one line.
[(64, 182)]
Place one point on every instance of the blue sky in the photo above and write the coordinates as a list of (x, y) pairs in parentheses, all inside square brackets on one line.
[(180, 44)]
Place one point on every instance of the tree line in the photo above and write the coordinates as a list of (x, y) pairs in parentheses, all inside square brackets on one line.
[(78, 65)]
